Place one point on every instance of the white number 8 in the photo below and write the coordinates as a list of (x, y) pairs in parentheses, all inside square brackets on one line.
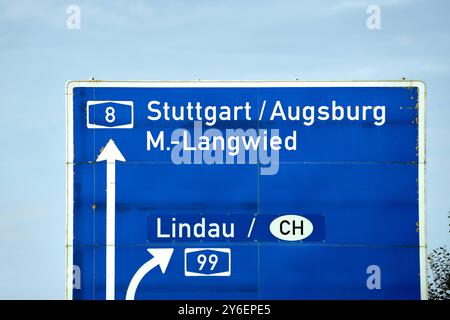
[(110, 114)]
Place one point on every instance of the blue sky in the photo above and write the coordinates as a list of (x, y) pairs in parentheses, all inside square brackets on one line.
[(252, 40)]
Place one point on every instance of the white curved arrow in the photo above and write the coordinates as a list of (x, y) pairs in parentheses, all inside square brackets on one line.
[(161, 257), (110, 153)]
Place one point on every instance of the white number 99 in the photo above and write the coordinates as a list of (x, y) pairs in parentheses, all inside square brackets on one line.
[(202, 259)]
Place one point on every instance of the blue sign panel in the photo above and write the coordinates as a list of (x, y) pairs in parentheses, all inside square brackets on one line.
[(245, 190)]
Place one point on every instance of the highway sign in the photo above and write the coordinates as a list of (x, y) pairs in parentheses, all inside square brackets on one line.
[(246, 190)]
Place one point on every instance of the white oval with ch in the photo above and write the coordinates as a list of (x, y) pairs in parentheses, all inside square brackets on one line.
[(291, 227)]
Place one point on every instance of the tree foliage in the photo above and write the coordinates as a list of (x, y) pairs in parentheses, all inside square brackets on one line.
[(439, 274)]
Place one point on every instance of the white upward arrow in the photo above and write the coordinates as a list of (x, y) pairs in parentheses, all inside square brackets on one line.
[(161, 257), (110, 153)]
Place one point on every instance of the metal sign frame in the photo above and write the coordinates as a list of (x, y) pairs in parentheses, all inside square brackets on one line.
[(70, 85)]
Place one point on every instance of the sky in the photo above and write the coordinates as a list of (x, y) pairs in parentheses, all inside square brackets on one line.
[(188, 40)]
